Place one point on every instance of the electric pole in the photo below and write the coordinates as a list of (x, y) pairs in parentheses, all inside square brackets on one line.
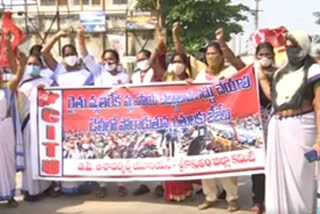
[(26, 15), (256, 12)]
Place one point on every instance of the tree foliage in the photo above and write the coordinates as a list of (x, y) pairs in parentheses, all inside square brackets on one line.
[(199, 18)]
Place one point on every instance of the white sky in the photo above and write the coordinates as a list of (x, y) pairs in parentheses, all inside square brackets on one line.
[(293, 14)]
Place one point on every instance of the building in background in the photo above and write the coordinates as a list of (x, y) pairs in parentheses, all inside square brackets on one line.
[(112, 24)]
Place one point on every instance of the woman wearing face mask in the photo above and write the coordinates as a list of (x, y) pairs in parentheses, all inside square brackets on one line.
[(216, 70), (294, 129), (144, 72), (31, 188), (264, 64), (147, 71), (11, 147), (66, 74), (106, 74), (70, 72), (46, 72), (178, 70)]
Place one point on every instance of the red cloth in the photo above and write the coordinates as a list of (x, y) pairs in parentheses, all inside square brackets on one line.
[(17, 37), (178, 190), (47, 97), (274, 36)]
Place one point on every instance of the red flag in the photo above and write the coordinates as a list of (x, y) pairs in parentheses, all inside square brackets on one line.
[(274, 36), (17, 36)]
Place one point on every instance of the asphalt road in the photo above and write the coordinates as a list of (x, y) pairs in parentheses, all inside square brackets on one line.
[(113, 204)]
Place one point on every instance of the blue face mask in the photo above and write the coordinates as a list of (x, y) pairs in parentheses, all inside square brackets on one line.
[(33, 70)]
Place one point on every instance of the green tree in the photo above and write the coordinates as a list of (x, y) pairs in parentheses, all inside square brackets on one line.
[(199, 18)]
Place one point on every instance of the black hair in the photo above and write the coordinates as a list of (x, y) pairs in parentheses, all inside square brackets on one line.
[(184, 58), (266, 45), (146, 52), (214, 45), (38, 57), (114, 52), (68, 46), (35, 50)]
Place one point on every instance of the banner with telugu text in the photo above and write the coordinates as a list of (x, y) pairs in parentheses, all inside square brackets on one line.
[(149, 132)]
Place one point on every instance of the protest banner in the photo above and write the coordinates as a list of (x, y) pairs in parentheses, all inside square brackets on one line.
[(161, 131)]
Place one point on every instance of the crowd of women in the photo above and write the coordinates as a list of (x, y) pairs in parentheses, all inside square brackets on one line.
[(289, 99)]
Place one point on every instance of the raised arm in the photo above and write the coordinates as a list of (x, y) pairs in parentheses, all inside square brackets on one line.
[(155, 60), (88, 60), (21, 61), (227, 52), (9, 52), (176, 37), (81, 42), (46, 50)]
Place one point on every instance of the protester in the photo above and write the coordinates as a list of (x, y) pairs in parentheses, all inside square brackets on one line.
[(31, 188), (144, 72), (195, 64), (46, 72), (296, 100), (264, 63), (216, 70), (107, 74), (178, 70), (70, 73), (11, 149)]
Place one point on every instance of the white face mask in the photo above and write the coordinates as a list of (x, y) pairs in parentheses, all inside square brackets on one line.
[(110, 67), (265, 62), (176, 68), (71, 60), (143, 65)]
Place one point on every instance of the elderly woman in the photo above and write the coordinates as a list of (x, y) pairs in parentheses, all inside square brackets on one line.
[(293, 130)]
